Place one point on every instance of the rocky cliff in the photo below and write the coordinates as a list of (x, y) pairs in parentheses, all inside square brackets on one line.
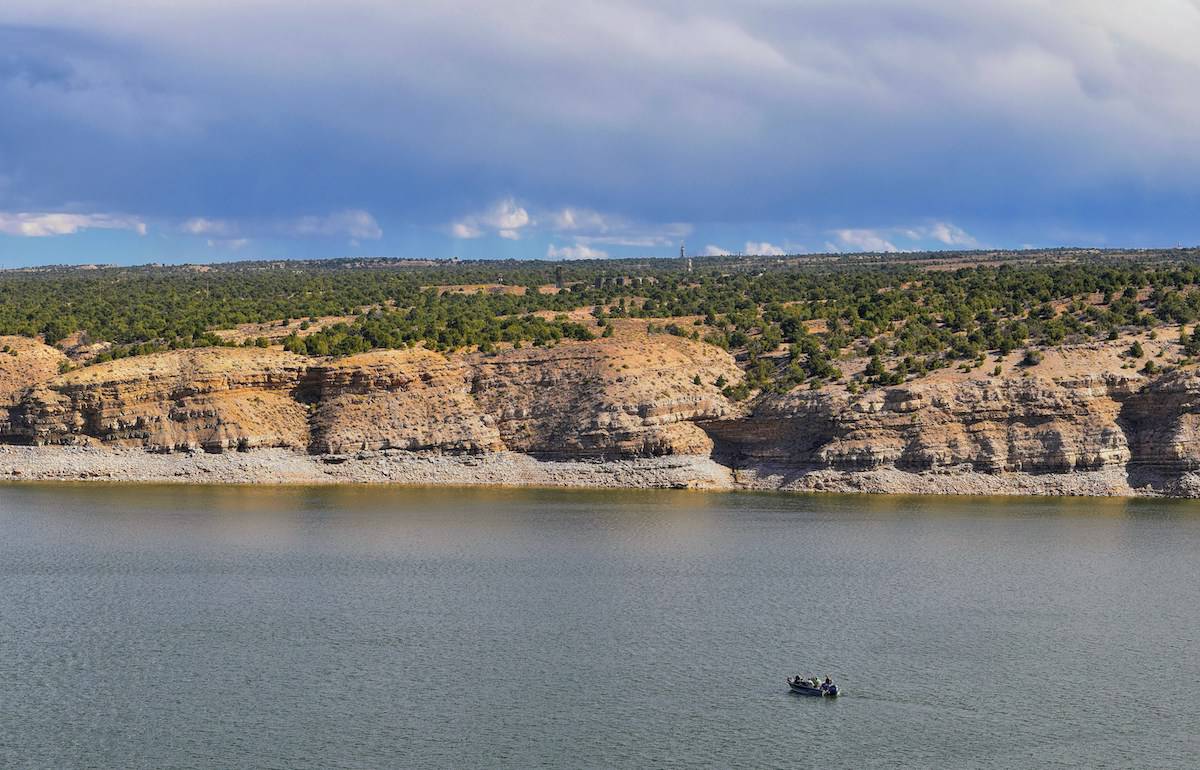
[(23, 364), (992, 426), (636, 411), (1095, 434), (585, 400), (211, 399)]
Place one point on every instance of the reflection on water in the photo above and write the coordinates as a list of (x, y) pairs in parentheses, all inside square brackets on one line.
[(196, 627)]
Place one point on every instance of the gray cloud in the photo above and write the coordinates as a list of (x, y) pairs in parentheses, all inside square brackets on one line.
[(655, 111)]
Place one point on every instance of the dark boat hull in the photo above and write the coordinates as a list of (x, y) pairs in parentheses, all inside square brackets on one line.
[(815, 692)]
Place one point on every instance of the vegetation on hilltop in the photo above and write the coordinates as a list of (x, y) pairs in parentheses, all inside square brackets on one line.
[(788, 321), (444, 323)]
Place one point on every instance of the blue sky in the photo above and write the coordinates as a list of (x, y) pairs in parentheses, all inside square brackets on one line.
[(134, 131)]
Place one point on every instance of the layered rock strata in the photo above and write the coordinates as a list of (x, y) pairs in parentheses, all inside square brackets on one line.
[(587, 400), (413, 400), (1027, 425), (211, 399), (597, 413)]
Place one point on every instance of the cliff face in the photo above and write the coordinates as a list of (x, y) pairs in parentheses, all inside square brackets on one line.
[(649, 397), (604, 399), (1163, 424), (1096, 434), (23, 364), (595, 399), (211, 399), (1027, 425), (414, 399)]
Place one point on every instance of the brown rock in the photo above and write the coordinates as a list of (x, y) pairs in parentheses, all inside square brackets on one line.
[(591, 399)]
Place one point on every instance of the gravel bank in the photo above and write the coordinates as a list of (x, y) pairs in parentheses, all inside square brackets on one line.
[(1109, 482), (281, 466)]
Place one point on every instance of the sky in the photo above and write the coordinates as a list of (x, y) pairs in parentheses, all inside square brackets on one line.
[(135, 131)]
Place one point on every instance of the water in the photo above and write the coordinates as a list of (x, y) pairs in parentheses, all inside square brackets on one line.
[(164, 627)]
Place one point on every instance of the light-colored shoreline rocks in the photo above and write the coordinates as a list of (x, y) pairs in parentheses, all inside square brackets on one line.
[(511, 469), (283, 466)]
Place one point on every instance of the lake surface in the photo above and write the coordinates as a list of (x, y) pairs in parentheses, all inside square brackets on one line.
[(195, 627)]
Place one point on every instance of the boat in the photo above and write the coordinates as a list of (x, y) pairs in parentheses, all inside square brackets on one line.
[(804, 687)]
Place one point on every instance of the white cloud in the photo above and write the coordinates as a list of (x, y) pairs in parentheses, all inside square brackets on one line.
[(952, 235), (228, 233), (465, 230), (507, 215), (505, 218), (590, 226), (40, 225), (354, 223), (715, 251), (764, 249), (599, 227), (510, 220), (570, 219), (861, 240), (920, 236), (578, 251), (943, 232), (204, 226)]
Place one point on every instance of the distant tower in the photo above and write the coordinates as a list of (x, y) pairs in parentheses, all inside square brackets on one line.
[(689, 264), (681, 254), (558, 278)]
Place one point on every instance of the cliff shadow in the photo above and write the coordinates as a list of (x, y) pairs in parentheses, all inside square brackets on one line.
[(1153, 462), (781, 449)]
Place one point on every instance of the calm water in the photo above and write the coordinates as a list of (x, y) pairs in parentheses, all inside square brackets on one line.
[(319, 628)]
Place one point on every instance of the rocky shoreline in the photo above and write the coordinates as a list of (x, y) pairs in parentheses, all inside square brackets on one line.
[(511, 469), (642, 412), (284, 466)]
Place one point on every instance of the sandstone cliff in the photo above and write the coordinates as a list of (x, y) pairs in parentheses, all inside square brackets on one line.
[(23, 364), (1029, 425), (624, 402), (412, 399), (595, 399), (210, 399), (604, 399), (1104, 434)]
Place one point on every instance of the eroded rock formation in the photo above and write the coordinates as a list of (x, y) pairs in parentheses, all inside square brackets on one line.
[(410, 399), (211, 399), (594, 399), (1110, 432), (23, 364), (1024, 424)]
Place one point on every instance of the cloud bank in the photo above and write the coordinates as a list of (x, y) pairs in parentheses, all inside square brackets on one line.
[(48, 224), (1021, 119)]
